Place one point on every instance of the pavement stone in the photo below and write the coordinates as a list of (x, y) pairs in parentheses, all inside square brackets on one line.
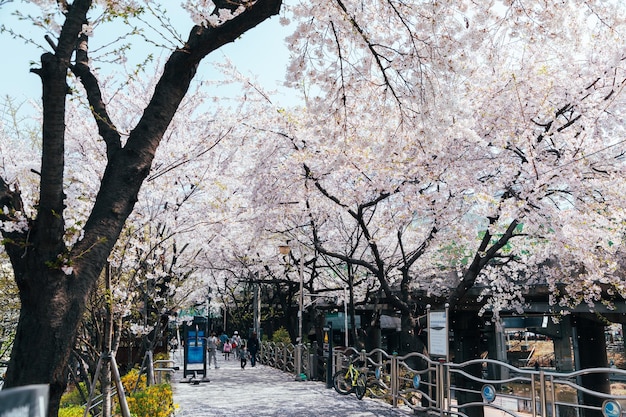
[(264, 391)]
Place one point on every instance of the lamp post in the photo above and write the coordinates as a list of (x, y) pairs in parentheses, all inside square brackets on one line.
[(285, 250), (345, 316), (257, 305), (208, 312)]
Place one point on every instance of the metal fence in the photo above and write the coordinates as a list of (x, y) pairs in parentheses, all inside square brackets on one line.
[(283, 356), (438, 387)]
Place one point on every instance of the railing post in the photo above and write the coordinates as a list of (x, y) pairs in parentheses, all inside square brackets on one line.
[(446, 390), (533, 395), (274, 355), (394, 380), (553, 395), (261, 352), (438, 383), (542, 394), (297, 360)]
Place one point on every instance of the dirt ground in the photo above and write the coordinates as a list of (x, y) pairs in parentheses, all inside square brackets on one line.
[(543, 352)]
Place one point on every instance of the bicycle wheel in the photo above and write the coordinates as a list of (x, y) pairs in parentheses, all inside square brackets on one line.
[(361, 386), (342, 382)]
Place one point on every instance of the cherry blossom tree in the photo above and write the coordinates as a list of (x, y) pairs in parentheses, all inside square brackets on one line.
[(478, 145), (470, 146), (497, 128), (55, 275)]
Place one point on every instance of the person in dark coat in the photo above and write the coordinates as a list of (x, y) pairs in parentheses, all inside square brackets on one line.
[(253, 348)]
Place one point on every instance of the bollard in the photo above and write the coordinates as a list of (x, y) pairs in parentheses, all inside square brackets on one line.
[(328, 345)]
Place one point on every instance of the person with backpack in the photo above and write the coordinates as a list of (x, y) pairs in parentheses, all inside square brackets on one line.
[(235, 342)]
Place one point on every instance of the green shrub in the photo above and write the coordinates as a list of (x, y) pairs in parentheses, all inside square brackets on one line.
[(154, 401), (72, 411), (281, 336), (129, 381), (73, 397)]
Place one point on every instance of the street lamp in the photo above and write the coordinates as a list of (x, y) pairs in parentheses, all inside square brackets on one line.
[(345, 316), (285, 250), (257, 304), (208, 311)]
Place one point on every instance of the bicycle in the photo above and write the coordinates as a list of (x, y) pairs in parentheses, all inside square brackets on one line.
[(350, 380)]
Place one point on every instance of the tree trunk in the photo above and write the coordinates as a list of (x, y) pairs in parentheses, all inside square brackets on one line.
[(49, 317)]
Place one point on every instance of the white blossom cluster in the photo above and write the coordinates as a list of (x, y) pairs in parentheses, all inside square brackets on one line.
[(204, 13), (426, 128)]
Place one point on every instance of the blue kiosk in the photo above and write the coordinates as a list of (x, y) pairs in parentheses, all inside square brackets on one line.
[(195, 352)]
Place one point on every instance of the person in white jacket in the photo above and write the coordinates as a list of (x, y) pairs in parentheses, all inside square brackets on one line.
[(212, 345), (236, 343)]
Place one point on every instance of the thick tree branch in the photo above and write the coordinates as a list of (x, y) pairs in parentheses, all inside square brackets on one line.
[(484, 254), (81, 69), (127, 170)]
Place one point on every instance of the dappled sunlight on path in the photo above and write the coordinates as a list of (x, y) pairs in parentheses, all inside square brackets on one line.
[(265, 391)]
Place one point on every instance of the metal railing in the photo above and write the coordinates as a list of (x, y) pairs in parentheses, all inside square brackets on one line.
[(425, 385), (158, 372), (283, 356)]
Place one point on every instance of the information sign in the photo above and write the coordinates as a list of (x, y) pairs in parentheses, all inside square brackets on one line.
[(611, 408), (489, 393), (438, 333)]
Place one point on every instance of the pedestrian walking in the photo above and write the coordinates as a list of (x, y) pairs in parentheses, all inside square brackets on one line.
[(223, 338), (212, 345), (243, 356), (236, 344), (253, 348), (227, 348)]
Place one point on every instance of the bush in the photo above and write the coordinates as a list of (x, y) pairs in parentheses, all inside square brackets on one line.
[(154, 401), (72, 411), (73, 397), (129, 381), (281, 336)]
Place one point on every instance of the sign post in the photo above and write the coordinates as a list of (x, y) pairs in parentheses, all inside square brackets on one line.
[(328, 351), (438, 333), (195, 353)]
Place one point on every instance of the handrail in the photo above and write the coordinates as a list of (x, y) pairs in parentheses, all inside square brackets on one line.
[(446, 388)]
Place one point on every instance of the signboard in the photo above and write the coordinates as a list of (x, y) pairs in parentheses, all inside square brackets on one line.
[(195, 347), (438, 333), (339, 321), (488, 393), (416, 381), (611, 408), (326, 345), (26, 401)]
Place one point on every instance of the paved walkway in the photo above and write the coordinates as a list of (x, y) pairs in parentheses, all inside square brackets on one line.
[(264, 391)]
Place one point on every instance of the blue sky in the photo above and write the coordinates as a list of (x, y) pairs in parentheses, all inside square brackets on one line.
[(260, 52)]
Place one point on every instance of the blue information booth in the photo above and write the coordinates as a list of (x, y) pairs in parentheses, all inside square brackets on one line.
[(195, 353)]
